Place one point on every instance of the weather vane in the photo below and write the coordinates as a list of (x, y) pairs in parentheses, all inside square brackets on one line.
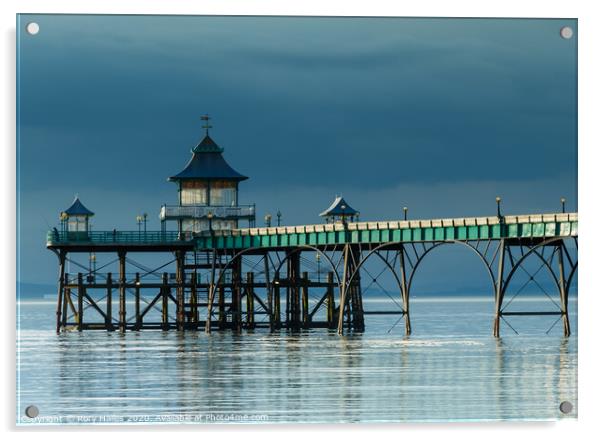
[(206, 126)]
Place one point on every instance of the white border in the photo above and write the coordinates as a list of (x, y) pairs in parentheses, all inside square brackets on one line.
[(589, 161)]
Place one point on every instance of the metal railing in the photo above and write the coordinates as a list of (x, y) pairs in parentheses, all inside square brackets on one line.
[(176, 211), (107, 237)]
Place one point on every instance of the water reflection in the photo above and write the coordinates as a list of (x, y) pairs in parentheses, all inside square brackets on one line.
[(314, 376)]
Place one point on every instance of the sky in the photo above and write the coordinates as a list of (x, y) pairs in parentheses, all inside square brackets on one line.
[(439, 115)]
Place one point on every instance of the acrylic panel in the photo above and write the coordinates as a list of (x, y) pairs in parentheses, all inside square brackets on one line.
[(295, 219)]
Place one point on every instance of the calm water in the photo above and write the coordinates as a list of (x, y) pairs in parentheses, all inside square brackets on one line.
[(449, 369)]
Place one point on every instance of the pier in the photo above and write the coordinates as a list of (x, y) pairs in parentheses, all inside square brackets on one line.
[(232, 298), (224, 275)]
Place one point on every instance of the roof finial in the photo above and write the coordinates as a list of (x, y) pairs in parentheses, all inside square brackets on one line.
[(206, 126)]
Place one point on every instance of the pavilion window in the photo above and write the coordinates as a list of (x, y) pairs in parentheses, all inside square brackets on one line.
[(223, 193), (195, 225), (193, 193), (77, 223)]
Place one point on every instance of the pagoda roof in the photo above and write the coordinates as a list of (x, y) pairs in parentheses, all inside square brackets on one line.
[(336, 209), (208, 163), (207, 145), (78, 208)]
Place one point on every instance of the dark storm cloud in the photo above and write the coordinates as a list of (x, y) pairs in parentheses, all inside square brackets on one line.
[(337, 105)]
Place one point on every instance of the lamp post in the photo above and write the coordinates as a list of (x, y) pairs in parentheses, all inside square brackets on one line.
[(318, 258), (92, 263), (64, 216), (145, 216), (562, 202), (91, 268), (139, 220), (210, 218), (405, 213), (279, 216), (498, 200), (268, 220)]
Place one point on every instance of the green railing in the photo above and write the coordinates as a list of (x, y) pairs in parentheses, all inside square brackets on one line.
[(118, 237), (473, 228)]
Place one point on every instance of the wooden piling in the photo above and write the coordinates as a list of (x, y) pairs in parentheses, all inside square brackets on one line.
[(194, 309), (211, 293), (499, 290), (165, 303), (293, 286), (236, 295), (71, 305), (137, 302), (405, 294), (109, 312), (80, 302), (122, 281), (305, 299), (269, 292), (250, 301), (330, 314), (221, 305), (276, 288), (180, 278), (343, 288), (61, 287), (66, 298)]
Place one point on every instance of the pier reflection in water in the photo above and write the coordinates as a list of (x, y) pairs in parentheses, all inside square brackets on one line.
[(450, 369)]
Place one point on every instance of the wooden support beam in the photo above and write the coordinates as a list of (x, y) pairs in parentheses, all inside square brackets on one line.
[(66, 298), (305, 318), (138, 317), (263, 305), (109, 313), (269, 292), (211, 295), (356, 291), (94, 305), (194, 309), (150, 306), (499, 288), (276, 289), (174, 285), (293, 315), (71, 305), (405, 294), (330, 306), (221, 305), (61, 286), (165, 303), (250, 300), (80, 302), (236, 295), (122, 310), (180, 279), (343, 288)]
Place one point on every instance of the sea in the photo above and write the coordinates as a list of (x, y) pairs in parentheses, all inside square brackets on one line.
[(450, 369)]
